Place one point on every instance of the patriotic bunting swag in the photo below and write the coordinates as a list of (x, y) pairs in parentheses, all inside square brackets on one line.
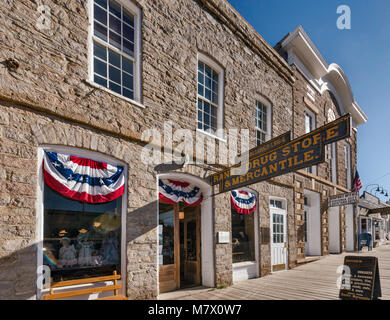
[(243, 202), (171, 191), (83, 179)]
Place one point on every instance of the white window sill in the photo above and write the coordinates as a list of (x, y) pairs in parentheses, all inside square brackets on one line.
[(211, 135), (244, 264), (98, 86)]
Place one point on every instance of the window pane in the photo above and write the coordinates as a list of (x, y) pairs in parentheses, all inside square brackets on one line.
[(127, 81), (99, 51), (114, 87), (201, 66), (100, 14), (166, 235), (81, 240), (200, 78), (115, 9), (128, 32), (243, 240), (200, 90), (100, 31), (128, 93), (128, 47), (114, 58), (128, 18), (102, 3), (115, 40), (115, 75), (100, 67), (115, 24), (100, 80), (207, 94), (127, 65)]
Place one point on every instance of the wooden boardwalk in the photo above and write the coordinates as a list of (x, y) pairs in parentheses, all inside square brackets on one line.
[(312, 281)]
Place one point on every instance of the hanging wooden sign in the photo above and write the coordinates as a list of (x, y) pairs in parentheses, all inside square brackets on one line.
[(271, 144), (256, 151), (343, 199), (360, 280), (305, 151), (383, 210)]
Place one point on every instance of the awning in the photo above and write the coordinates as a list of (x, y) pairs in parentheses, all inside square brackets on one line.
[(172, 191), (83, 179), (242, 201)]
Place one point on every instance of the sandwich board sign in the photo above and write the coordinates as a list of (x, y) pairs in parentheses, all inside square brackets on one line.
[(360, 280), (343, 199), (302, 152)]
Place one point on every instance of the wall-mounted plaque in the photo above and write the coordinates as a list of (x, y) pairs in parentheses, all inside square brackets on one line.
[(264, 234), (223, 237)]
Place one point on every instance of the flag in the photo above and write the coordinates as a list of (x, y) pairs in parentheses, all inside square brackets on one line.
[(357, 183)]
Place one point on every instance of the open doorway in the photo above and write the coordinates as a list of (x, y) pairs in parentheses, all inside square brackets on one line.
[(179, 246)]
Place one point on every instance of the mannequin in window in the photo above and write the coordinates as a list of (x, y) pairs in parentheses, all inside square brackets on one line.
[(86, 249), (110, 249), (67, 255)]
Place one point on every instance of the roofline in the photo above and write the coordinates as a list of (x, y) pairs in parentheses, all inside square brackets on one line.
[(245, 31), (333, 74)]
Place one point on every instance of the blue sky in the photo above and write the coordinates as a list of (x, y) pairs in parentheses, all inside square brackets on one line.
[(363, 52)]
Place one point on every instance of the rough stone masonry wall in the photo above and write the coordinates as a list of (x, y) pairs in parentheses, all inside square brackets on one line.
[(47, 100), (21, 132), (222, 212), (54, 67), (322, 103)]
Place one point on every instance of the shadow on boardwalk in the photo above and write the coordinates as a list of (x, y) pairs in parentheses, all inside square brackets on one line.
[(312, 281)]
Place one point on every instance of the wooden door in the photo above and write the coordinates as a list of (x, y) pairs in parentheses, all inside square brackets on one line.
[(191, 247), (169, 269)]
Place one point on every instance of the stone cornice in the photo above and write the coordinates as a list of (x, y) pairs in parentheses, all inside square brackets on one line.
[(242, 29)]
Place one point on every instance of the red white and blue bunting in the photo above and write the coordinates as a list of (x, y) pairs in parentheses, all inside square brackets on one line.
[(83, 179), (171, 191), (243, 202)]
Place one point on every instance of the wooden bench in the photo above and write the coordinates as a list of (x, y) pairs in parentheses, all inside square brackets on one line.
[(115, 287)]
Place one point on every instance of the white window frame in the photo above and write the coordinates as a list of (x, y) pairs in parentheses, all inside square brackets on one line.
[(333, 162), (268, 106), (40, 210), (221, 97), (136, 12), (347, 151), (313, 124)]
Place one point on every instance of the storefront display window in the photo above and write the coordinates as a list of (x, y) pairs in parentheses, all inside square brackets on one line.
[(166, 234), (243, 240), (81, 239)]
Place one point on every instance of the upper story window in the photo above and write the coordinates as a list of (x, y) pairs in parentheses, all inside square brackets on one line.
[(310, 125), (210, 95), (347, 153), (310, 121), (115, 47), (262, 122)]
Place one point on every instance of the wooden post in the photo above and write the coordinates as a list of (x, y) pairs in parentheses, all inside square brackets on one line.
[(115, 283)]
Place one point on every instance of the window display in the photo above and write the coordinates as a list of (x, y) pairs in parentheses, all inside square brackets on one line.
[(81, 239), (243, 239)]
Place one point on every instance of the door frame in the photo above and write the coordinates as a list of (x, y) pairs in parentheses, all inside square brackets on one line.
[(285, 228), (207, 226)]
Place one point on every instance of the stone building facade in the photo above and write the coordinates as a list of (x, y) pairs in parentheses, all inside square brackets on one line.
[(321, 94), (52, 100)]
